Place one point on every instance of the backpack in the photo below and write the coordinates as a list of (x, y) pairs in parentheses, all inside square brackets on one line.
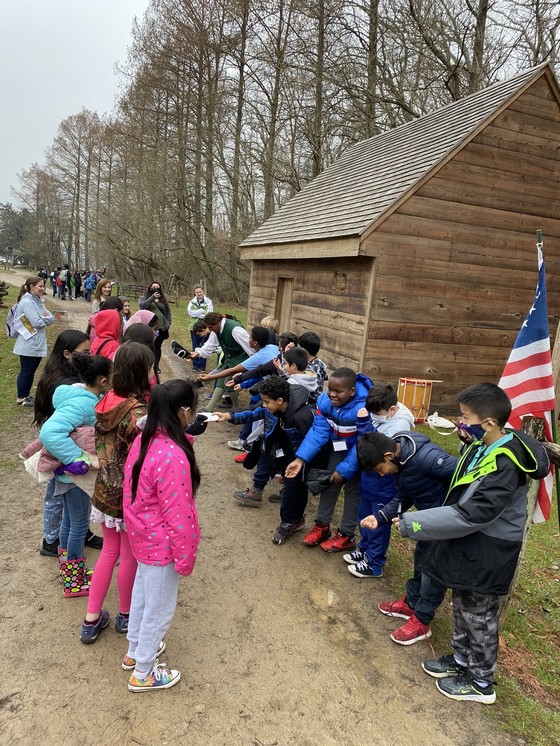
[(10, 319)]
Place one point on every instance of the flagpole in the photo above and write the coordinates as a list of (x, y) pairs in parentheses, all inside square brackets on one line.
[(553, 413)]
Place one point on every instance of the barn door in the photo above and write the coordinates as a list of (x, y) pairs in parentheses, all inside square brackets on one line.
[(284, 297)]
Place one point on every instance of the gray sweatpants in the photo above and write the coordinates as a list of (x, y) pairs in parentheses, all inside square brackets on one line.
[(328, 498), (154, 600), (475, 636)]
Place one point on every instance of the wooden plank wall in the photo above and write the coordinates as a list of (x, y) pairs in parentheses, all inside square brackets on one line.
[(329, 298), (457, 264)]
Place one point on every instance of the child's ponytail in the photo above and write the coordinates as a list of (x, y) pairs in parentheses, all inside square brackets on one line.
[(165, 400)]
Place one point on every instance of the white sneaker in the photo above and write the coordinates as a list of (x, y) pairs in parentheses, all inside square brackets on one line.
[(236, 445)]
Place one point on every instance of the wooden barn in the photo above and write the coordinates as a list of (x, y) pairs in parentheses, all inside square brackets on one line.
[(414, 253)]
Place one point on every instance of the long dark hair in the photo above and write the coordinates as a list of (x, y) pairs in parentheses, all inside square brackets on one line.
[(162, 298), (165, 400), (130, 369), (144, 335), (57, 368)]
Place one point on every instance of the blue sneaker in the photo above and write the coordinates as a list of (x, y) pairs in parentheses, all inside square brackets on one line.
[(363, 570), (121, 623), (90, 632)]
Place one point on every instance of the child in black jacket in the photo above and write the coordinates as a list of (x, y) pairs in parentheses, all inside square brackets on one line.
[(477, 536)]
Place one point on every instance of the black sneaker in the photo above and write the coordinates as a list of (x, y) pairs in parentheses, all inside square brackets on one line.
[(443, 667), (285, 530), (464, 689), (93, 541), (276, 497), (49, 550)]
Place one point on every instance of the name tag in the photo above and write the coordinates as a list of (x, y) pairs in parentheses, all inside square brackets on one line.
[(340, 445), (279, 453)]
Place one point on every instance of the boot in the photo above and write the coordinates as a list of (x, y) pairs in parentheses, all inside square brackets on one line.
[(75, 579), (62, 557)]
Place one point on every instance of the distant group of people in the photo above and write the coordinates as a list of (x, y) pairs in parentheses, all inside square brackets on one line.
[(104, 417), (69, 284)]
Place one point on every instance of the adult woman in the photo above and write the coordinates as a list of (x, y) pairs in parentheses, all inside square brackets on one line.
[(31, 346), (59, 369), (100, 294), (154, 300)]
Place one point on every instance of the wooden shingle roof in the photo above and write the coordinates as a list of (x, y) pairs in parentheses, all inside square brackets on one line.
[(372, 175)]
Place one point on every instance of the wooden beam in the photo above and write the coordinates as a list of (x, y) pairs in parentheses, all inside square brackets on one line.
[(303, 250)]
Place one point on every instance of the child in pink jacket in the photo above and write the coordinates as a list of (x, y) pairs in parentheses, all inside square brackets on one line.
[(160, 481)]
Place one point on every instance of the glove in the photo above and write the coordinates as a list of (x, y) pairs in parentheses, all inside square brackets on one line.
[(75, 469)]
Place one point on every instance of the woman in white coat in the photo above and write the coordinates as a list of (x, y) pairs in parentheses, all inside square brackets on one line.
[(31, 345)]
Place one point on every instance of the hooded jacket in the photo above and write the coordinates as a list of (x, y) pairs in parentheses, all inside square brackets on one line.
[(74, 406), (115, 431), (283, 431), (107, 333), (478, 532), (336, 424), (140, 317), (39, 317)]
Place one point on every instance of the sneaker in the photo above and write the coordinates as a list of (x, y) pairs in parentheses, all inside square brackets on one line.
[(90, 632), (28, 401), (178, 349), (250, 496), (49, 550), (158, 678), (356, 556), (121, 623), (338, 543), (236, 445), (93, 541), (285, 530), (396, 608), (411, 631), (276, 497), (318, 533), (129, 664), (363, 570), (240, 458), (208, 396), (464, 689), (443, 667)]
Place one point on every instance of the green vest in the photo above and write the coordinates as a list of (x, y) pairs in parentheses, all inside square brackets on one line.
[(234, 354)]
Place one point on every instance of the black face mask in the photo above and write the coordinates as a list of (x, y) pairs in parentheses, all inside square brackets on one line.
[(198, 426)]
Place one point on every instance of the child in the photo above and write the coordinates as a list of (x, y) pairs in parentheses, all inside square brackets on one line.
[(125, 313), (298, 372), (116, 427), (382, 413), (74, 406), (107, 333), (476, 538), (311, 343), (335, 424), (161, 479), (287, 418)]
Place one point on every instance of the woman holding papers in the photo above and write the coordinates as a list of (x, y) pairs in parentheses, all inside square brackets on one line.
[(32, 318)]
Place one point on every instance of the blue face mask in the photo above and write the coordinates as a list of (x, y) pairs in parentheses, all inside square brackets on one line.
[(470, 433)]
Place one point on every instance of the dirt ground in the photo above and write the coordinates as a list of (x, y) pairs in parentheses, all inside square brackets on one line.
[(277, 645)]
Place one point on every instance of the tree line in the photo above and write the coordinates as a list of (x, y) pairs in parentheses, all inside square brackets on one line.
[(227, 108)]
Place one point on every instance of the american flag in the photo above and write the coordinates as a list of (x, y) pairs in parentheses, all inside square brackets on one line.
[(527, 379)]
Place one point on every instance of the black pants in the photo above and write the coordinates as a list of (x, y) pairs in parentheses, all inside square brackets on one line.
[(158, 341), (28, 366)]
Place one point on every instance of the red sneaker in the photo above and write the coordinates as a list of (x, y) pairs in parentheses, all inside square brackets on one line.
[(339, 543), (396, 608), (240, 458), (412, 631), (318, 533)]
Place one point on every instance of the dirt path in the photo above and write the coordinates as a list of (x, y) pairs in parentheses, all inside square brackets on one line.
[(277, 645)]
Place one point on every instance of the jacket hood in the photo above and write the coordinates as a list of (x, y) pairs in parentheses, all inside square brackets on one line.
[(409, 443), (530, 454), (111, 409), (298, 399), (108, 325), (140, 317), (308, 380), (65, 394), (363, 385)]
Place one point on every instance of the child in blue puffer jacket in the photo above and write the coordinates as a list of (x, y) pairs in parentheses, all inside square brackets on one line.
[(383, 413), (74, 407), (335, 426)]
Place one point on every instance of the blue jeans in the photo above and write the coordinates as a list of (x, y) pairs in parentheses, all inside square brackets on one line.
[(75, 522), (27, 367), (423, 594), (52, 513), (199, 363)]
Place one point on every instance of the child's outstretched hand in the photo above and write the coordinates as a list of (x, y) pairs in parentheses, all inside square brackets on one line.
[(222, 416), (370, 521), (293, 469)]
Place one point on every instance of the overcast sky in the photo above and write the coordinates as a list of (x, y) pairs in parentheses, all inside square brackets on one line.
[(56, 56)]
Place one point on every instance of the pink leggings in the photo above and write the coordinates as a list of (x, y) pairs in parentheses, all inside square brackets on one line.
[(115, 545)]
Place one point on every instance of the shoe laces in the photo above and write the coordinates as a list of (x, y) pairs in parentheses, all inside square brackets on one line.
[(159, 671), (361, 566)]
